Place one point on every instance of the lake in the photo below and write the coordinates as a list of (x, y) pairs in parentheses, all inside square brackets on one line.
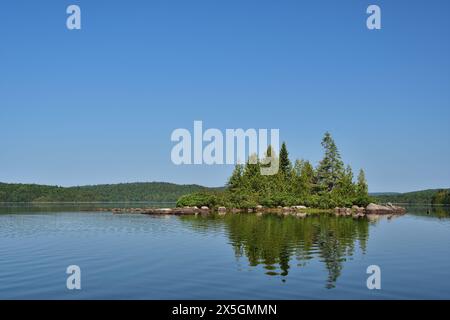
[(131, 256)]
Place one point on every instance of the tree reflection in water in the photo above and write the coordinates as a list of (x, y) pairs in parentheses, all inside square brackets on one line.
[(275, 242)]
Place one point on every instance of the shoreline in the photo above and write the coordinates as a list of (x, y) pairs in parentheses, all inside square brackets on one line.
[(298, 211)]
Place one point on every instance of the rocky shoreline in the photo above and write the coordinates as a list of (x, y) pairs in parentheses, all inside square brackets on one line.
[(298, 211)]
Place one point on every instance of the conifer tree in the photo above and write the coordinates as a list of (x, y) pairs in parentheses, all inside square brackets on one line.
[(361, 188), (235, 181), (285, 163), (304, 178), (331, 168)]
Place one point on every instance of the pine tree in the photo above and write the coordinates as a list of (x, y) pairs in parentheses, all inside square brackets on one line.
[(346, 188), (285, 163), (235, 181), (330, 169), (252, 178), (361, 188), (304, 176)]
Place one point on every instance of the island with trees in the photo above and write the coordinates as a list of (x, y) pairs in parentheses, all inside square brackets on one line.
[(295, 187)]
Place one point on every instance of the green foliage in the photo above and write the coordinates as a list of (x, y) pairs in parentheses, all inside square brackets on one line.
[(362, 190), (326, 187), (442, 197), (416, 197), (198, 199), (153, 191), (331, 168), (285, 163)]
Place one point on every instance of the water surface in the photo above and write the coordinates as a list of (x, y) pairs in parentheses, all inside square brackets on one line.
[(133, 256)]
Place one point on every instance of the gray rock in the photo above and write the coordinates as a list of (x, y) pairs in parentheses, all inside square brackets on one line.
[(379, 209)]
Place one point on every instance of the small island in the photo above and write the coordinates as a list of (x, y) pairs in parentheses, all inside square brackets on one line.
[(296, 189)]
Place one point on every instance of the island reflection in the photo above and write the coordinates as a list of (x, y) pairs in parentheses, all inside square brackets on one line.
[(280, 243)]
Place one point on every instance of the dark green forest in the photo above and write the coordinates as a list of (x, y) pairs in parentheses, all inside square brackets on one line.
[(441, 197), (431, 196), (331, 184), (151, 191)]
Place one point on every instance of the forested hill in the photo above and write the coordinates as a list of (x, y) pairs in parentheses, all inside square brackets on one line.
[(149, 191), (431, 196)]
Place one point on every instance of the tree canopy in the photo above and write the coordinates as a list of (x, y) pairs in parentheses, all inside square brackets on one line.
[(327, 186), (151, 191)]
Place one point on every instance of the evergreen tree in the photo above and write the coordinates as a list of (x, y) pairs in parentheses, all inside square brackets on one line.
[(330, 169), (235, 181), (252, 178), (362, 190), (327, 187), (346, 189), (304, 177), (285, 163)]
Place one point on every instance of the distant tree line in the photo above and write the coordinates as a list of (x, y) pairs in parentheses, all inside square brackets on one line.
[(152, 191), (329, 185), (442, 197), (432, 196)]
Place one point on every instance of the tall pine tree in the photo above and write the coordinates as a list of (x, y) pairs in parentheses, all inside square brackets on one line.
[(285, 163), (331, 168), (362, 190), (235, 181)]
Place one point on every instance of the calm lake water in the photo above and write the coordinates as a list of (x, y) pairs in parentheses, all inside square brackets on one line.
[(233, 257)]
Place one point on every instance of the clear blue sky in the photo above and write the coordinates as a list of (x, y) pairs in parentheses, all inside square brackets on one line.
[(99, 105)]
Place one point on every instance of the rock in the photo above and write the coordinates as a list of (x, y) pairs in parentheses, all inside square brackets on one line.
[(299, 207), (358, 215), (388, 209), (358, 209), (259, 207), (221, 209), (250, 210), (164, 211), (204, 208), (342, 211)]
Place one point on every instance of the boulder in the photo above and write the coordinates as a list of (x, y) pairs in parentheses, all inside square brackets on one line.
[(358, 215), (221, 209), (358, 209), (388, 209), (204, 208), (164, 211), (342, 211)]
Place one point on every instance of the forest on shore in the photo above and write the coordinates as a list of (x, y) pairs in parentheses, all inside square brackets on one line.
[(426, 197), (331, 184), (123, 192)]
